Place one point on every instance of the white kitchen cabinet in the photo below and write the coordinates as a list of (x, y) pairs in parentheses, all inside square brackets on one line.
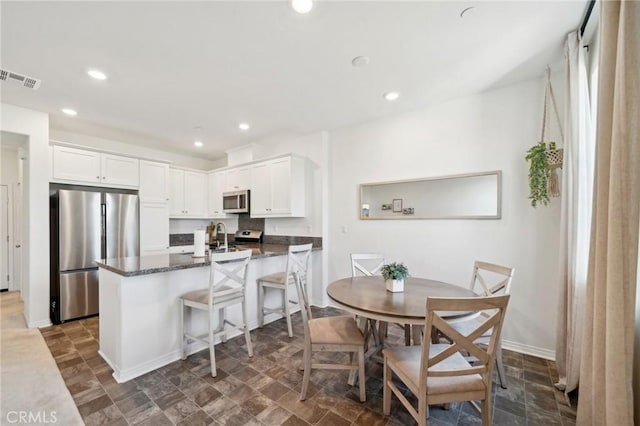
[(278, 188), (187, 193), (75, 165), (154, 182), (120, 171), (238, 179), (181, 249), (217, 181), (154, 228)]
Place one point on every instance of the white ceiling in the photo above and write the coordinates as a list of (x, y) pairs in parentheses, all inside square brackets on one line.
[(176, 65)]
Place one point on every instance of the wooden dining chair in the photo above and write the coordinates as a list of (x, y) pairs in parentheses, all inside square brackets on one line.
[(437, 373), (488, 280), (297, 261), (227, 285), (329, 334), (369, 264)]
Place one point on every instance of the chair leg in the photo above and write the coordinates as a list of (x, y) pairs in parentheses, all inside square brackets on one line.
[(423, 410), (247, 335), (183, 332), (287, 313), (407, 334), (212, 353), (486, 410), (501, 375), (307, 373), (223, 336), (261, 291), (386, 391), (363, 394)]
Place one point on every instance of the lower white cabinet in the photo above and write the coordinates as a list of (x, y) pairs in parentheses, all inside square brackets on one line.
[(154, 228), (278, 188)]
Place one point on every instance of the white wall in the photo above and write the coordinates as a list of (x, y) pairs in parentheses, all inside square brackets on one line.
[(488, 131), (134, 150), (9, 166), (34, 125)]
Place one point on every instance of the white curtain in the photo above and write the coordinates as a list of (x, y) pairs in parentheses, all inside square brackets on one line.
[(575, 227)]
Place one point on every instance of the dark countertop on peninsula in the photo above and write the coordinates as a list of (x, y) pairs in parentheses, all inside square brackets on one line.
[(144, 265)]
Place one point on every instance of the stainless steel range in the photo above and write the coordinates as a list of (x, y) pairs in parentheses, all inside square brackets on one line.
[(244, 236)]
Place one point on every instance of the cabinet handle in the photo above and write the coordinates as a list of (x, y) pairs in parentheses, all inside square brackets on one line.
[(104, 177), (98, 177)]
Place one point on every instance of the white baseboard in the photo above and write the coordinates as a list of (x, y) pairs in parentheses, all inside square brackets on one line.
[(38, 324), (529, 350)]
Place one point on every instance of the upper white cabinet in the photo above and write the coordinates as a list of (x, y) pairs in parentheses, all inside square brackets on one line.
[(154, 182), (238, 178), (217, 182), (187, 193), (91, 167), (278, 188)]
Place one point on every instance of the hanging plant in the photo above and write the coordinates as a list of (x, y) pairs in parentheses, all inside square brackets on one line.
[(539, 172)]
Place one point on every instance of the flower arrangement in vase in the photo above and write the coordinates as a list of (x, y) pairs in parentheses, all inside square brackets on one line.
[(394, 275)]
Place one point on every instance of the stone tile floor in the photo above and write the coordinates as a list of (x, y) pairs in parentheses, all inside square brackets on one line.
[(264, 390)]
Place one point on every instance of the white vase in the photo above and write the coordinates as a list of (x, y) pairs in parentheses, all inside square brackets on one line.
[(395, 286)]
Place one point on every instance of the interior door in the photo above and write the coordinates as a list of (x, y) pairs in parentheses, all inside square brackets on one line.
[(4, 237)]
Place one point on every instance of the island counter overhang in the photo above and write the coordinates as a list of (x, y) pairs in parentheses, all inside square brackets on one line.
[(140, 305)]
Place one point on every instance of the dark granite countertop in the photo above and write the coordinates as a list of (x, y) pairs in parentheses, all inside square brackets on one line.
[(144, 265)]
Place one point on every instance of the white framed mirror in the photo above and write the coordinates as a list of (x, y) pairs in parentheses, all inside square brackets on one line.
[(465, 196)]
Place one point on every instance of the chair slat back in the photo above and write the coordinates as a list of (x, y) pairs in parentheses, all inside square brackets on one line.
[(491, 311), (357, 267), (298, 260), (487, 283), (305, 307), (228, 270)]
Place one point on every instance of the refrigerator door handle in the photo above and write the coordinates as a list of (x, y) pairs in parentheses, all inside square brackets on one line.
[(103, 237)]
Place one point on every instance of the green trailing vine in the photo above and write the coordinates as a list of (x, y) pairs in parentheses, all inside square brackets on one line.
[(539, 173)]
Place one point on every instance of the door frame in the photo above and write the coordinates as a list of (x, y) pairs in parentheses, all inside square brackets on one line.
[(10, 242)]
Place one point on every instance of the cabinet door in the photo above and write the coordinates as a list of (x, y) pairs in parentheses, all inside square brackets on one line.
[(260, 190), (121, 171), (154, 182), (195, 194), (216, 188), (77, 165), (176, 192), (238, 179), (280, 173), (154, 228)]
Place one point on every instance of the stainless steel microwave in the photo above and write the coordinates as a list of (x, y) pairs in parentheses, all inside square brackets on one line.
[(236, 201)]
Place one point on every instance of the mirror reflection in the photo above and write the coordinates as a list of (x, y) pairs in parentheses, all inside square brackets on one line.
[(468, 196)]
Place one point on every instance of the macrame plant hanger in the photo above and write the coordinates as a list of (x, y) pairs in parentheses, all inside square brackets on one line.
[(554, 156)]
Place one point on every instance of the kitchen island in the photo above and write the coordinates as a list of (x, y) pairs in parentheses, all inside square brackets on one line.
[(140, 305)]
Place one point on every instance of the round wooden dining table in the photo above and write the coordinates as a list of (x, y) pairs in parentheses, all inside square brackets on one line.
[(368, 297)]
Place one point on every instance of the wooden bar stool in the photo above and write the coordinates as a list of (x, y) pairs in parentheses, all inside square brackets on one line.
[(298, 262), (227, 284)]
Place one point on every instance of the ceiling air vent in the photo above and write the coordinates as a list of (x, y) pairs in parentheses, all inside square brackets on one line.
[(28, 82)]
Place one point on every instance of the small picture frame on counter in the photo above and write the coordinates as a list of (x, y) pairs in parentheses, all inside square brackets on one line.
[(397, 205)]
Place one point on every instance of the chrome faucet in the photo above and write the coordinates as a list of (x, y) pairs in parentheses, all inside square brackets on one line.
[(224, 229)]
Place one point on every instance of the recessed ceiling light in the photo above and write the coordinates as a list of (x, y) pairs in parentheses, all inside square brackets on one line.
[(302, 6), (97, 74), (198, 144), (69, 111), (243, 126), (360, 61), (391, 96)]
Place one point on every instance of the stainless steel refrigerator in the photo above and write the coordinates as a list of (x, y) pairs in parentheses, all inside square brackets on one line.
[(86, 224)]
